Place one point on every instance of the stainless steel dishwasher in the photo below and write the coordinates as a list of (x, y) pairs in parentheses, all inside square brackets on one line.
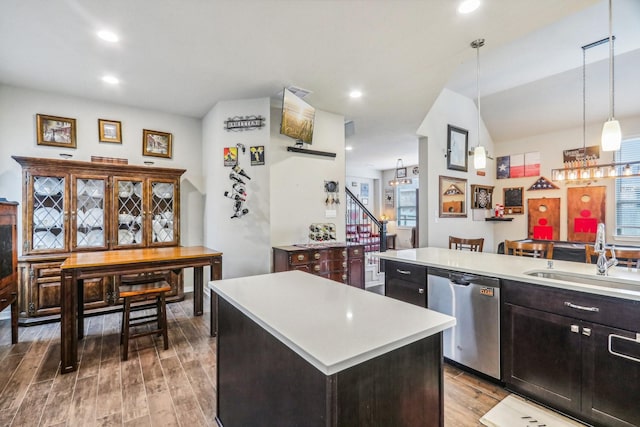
[(475, 303)]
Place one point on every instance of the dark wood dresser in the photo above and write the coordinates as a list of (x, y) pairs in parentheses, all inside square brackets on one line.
[(340, 262), (8, 263)]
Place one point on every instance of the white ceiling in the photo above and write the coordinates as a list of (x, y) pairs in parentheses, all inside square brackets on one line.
[(184, 56)]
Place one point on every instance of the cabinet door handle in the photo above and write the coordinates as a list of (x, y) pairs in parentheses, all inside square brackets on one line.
[(586, 332), (581, 307), (344, 264), (3, 300), (316, 268), (316, 255), (421, 291), (615, 353), (407, 272), (575, 329), (300, 257)]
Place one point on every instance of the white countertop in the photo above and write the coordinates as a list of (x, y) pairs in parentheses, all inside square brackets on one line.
[(620, 282), (331, 325)]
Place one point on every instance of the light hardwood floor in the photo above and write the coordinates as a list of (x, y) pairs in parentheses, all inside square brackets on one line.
[(154, 387)]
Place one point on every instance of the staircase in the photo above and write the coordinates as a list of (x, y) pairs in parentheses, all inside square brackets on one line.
[(363, 228)]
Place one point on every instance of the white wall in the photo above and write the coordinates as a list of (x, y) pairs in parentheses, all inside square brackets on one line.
[(297, 180), (551, 146), (245, 242), (18, 109), (457, 110)]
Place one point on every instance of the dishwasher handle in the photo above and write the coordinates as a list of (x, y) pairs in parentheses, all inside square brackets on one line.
[(459, 280), (466, 279)]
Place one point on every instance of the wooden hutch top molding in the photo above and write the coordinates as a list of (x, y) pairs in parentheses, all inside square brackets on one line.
[(109, 168)]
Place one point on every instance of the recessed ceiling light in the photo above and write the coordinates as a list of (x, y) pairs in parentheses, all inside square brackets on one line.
[(468, 6), (348, 148), (355, 94), (111, 80), (108, 36)]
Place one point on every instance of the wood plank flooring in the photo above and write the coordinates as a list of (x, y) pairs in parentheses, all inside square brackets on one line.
[(155, 387)]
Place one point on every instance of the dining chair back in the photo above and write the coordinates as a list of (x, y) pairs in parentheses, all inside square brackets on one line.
[(530, 249)]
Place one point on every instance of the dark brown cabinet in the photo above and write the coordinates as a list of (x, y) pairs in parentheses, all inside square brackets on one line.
[(8, 263), (341, 263), (406, 282), (576, 352), (73, 206)]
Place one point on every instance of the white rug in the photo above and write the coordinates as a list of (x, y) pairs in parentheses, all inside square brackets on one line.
[(514, 411)]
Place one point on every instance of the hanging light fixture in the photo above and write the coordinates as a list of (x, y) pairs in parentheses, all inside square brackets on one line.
[(586, 169), (611, 133), (399, 180), (479, 153)]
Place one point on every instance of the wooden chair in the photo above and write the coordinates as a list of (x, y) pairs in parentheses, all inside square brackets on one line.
[(625, 256), (136, 292), (530, 249), (474, 245)]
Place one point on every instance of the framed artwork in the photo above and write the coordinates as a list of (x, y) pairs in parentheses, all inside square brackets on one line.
[(481, 196), (257, 155), (388, 197), (364, 189), (56, 131), (155, 143), (230, 156), (513, 200), (457, 148), (452, 197), (110, 131)]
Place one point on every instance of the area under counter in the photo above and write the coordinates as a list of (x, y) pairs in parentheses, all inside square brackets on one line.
[(298, 349)]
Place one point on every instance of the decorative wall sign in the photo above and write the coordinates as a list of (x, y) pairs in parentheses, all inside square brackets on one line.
[(543, 184), (576, 156), (242, 123), (481, 196), (513, 201), (257, 155), (518, 165), (230, 156)]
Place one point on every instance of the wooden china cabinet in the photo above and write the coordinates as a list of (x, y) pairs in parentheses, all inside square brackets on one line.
[(70, 206)]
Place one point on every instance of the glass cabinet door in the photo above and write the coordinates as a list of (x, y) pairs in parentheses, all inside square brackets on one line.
[(163, 213), (49, 214), (90, 213), (130, 210)]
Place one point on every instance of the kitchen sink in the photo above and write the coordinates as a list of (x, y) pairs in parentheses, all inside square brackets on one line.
[(606, 281)]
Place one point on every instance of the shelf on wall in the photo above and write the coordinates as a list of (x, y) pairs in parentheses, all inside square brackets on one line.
[(498, 219), (313, 152)]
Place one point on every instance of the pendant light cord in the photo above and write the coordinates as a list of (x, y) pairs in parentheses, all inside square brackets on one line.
[(611, 88)]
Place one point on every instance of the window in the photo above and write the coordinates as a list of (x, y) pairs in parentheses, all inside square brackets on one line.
[(628, 191), (407, 204)]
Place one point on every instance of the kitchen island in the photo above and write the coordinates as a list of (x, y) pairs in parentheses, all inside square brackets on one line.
[(297, 349), (569, 339)]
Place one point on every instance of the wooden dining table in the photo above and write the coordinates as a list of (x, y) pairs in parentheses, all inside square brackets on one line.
[(85, 265)]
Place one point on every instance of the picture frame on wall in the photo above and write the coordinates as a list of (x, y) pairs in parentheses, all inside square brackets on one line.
[(401, 172), (110, 131), (156, 143), (55, 131), (513, 200), (457, 148), (452, 197)]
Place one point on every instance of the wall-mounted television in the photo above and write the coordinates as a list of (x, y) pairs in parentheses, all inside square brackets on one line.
[(297, 118)]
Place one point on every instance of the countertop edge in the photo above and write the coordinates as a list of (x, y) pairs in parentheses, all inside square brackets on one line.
[(411, 256), (334, 368)]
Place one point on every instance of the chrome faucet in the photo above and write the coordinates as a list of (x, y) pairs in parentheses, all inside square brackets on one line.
[(603, 265)]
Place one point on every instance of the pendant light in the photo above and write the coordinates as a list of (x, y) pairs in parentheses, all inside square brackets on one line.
[(479, 153), (611, 133)]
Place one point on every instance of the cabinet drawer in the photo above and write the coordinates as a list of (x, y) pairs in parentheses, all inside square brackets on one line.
[(406, 272), (336, 265), (49, 269), (589, 307), (338, 276), (299, 258), (356, 251)]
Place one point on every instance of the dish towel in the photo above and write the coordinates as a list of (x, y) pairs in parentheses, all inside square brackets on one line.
[(514, 411)]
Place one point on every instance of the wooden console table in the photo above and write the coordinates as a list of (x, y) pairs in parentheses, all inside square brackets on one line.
[(84, 265)]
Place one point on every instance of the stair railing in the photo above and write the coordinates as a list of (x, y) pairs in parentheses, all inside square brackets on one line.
[(357, 214)]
